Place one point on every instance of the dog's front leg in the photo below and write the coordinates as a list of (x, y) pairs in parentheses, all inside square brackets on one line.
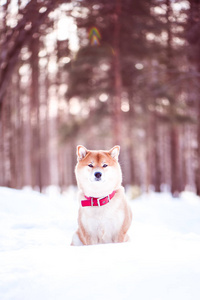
[(122, 235)]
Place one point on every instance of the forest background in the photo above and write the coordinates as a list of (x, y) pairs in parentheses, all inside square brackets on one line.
[(100, 73)]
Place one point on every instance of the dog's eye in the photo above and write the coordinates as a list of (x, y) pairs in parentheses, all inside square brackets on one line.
[(105, 165), (90, 165)]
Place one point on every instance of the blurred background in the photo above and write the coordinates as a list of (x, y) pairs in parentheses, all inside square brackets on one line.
[(100, 73)]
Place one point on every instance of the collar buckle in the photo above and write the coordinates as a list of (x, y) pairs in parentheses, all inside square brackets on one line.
[(98, 200)]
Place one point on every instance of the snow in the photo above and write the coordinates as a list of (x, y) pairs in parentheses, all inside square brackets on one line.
[(162, 261)]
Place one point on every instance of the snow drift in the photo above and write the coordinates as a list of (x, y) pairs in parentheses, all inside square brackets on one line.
[(162, 261)]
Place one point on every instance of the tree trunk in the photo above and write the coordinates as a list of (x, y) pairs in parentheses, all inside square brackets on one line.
[(130, 138), (35, 117), (175, 160), (117, 116), (157, 145), (198, 150), (175, 170), (193, 37)]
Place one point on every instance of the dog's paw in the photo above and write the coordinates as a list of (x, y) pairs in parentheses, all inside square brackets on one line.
[(76, 240)]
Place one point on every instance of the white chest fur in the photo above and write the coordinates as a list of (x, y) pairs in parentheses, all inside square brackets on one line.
[(103, 223)]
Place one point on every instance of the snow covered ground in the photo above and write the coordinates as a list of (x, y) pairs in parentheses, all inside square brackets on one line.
[(36, 262)]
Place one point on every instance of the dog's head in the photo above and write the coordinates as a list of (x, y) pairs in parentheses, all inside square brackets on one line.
[(98, 173)]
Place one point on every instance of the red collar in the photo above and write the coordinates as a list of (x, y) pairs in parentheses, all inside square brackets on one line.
[(97, 201)]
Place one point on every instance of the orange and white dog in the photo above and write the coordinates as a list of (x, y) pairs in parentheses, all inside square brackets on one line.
[(104, 214)]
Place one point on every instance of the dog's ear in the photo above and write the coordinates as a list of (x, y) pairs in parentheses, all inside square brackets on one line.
[(114, 152), (81, 152)]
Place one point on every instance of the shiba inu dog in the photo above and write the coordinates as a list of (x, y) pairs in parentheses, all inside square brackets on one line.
[(104, 214)]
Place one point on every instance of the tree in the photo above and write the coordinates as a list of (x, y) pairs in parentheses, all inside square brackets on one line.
[(194, 58), (15, 39)]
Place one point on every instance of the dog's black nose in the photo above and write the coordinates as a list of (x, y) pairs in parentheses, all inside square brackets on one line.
[(97, 175)]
